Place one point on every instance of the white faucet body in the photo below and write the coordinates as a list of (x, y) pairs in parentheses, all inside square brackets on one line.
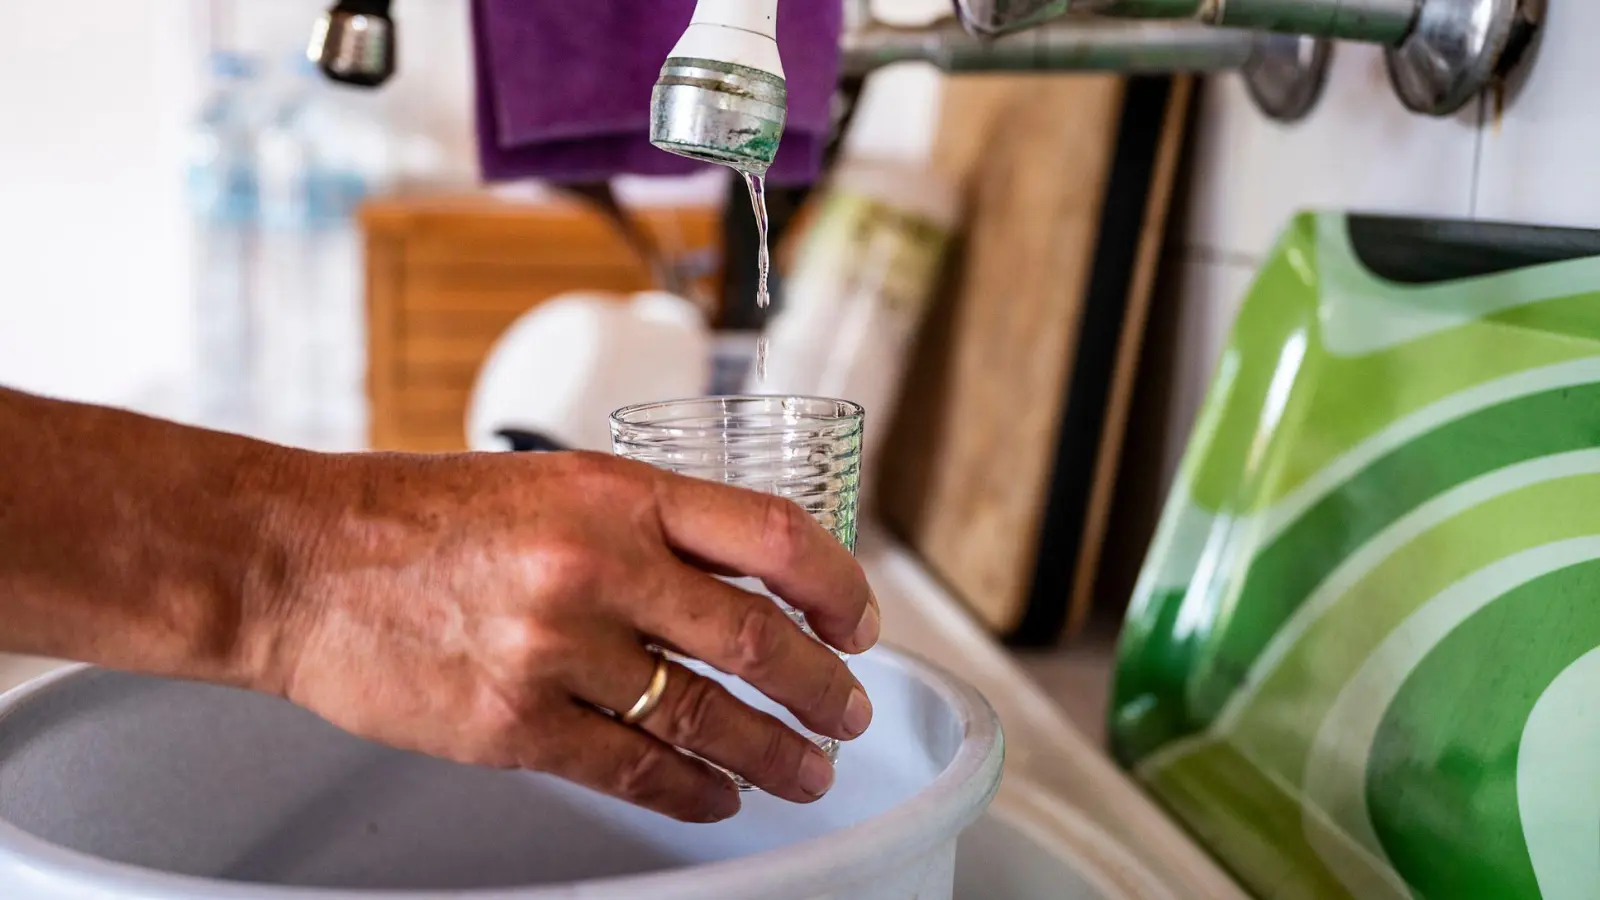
[(740, 32)]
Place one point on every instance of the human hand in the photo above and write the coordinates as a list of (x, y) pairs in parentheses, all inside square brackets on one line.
[(486, 608)]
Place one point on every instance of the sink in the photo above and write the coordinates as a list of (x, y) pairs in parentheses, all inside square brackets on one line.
[(124, 786)]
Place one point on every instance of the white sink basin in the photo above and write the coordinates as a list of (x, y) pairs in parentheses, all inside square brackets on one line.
[(1065, 826), (114, 785)]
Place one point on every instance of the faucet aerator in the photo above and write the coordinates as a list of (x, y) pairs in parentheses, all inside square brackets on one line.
[(719, 112)]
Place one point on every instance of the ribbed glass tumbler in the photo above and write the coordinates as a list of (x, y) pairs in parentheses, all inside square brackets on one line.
[(803, 448)]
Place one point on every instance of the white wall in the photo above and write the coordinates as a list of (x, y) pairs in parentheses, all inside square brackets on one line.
[(1360, 150), (430, 95), (92, 256), (94, 249)]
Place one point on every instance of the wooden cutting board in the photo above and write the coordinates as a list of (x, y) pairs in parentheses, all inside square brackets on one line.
[(1003, 457)]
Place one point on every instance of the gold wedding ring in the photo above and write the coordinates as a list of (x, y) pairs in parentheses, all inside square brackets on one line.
[(651, 698)]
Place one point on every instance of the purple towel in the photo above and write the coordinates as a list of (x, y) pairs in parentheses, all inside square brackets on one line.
[(564, 86)]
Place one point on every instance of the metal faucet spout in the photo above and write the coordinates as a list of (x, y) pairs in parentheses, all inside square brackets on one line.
[(722, 96), (354, 43)]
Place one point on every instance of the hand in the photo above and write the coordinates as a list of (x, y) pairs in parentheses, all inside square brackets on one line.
[(487, 608)]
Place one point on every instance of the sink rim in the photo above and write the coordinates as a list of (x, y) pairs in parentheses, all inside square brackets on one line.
[(935, 815)]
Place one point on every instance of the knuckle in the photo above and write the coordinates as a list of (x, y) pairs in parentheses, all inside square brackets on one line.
[(503, 727), (782, 531), (530, 648), (780, 755), (697, 712), (522, 639), (535, 751), (756, 637), (587, 462), (643, 775), (604, 472), (565, 567), (831, 693)]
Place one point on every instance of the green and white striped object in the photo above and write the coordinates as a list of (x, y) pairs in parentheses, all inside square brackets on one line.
[(1363, 658)]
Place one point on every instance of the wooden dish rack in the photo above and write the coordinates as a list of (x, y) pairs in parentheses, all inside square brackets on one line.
[(445, 277)]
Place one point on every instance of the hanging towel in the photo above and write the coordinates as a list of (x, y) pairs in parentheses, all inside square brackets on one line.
[(563, 86)]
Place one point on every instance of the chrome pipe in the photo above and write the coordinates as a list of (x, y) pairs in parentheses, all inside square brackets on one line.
[(1441, 53), (1371, 21), (1366, 21), (1087, 46), (1285, 74)]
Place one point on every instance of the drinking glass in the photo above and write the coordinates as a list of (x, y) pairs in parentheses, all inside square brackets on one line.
[(806, 449)]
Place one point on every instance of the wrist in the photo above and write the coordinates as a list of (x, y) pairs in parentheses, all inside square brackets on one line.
[(147, 546), (271, 607)]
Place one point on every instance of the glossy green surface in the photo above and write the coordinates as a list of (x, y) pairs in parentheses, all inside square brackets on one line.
[(1357, 661)]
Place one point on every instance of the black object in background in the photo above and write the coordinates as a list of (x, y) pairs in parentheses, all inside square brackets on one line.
[(528, 441), (355, 43), (1430, 251), (1122, 222)]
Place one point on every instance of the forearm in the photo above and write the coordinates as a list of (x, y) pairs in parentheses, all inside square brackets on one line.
[(138, 544)]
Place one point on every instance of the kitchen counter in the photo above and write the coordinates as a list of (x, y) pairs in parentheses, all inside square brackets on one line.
[(14, 670), (1042, 745)]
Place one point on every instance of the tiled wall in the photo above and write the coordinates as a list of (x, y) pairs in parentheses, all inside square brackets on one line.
[(1360, 150)]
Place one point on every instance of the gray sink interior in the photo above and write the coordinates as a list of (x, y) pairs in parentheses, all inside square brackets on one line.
[(997, 859), (212, 782)]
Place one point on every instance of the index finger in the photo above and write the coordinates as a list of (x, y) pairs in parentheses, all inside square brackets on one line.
[(771, 538)]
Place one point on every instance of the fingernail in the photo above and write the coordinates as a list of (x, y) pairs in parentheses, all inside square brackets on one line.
[(816, 774), (857, 713), (725, 805), (867, 630)]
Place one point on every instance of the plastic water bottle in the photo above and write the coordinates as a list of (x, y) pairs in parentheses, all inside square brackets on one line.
[(223, 201), (321, 154)]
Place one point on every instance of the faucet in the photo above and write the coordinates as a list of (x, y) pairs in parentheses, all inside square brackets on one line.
[(354, 43), (722, 98), (1441, 53), (721, 93), (1284, 73), (1358, 20)]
